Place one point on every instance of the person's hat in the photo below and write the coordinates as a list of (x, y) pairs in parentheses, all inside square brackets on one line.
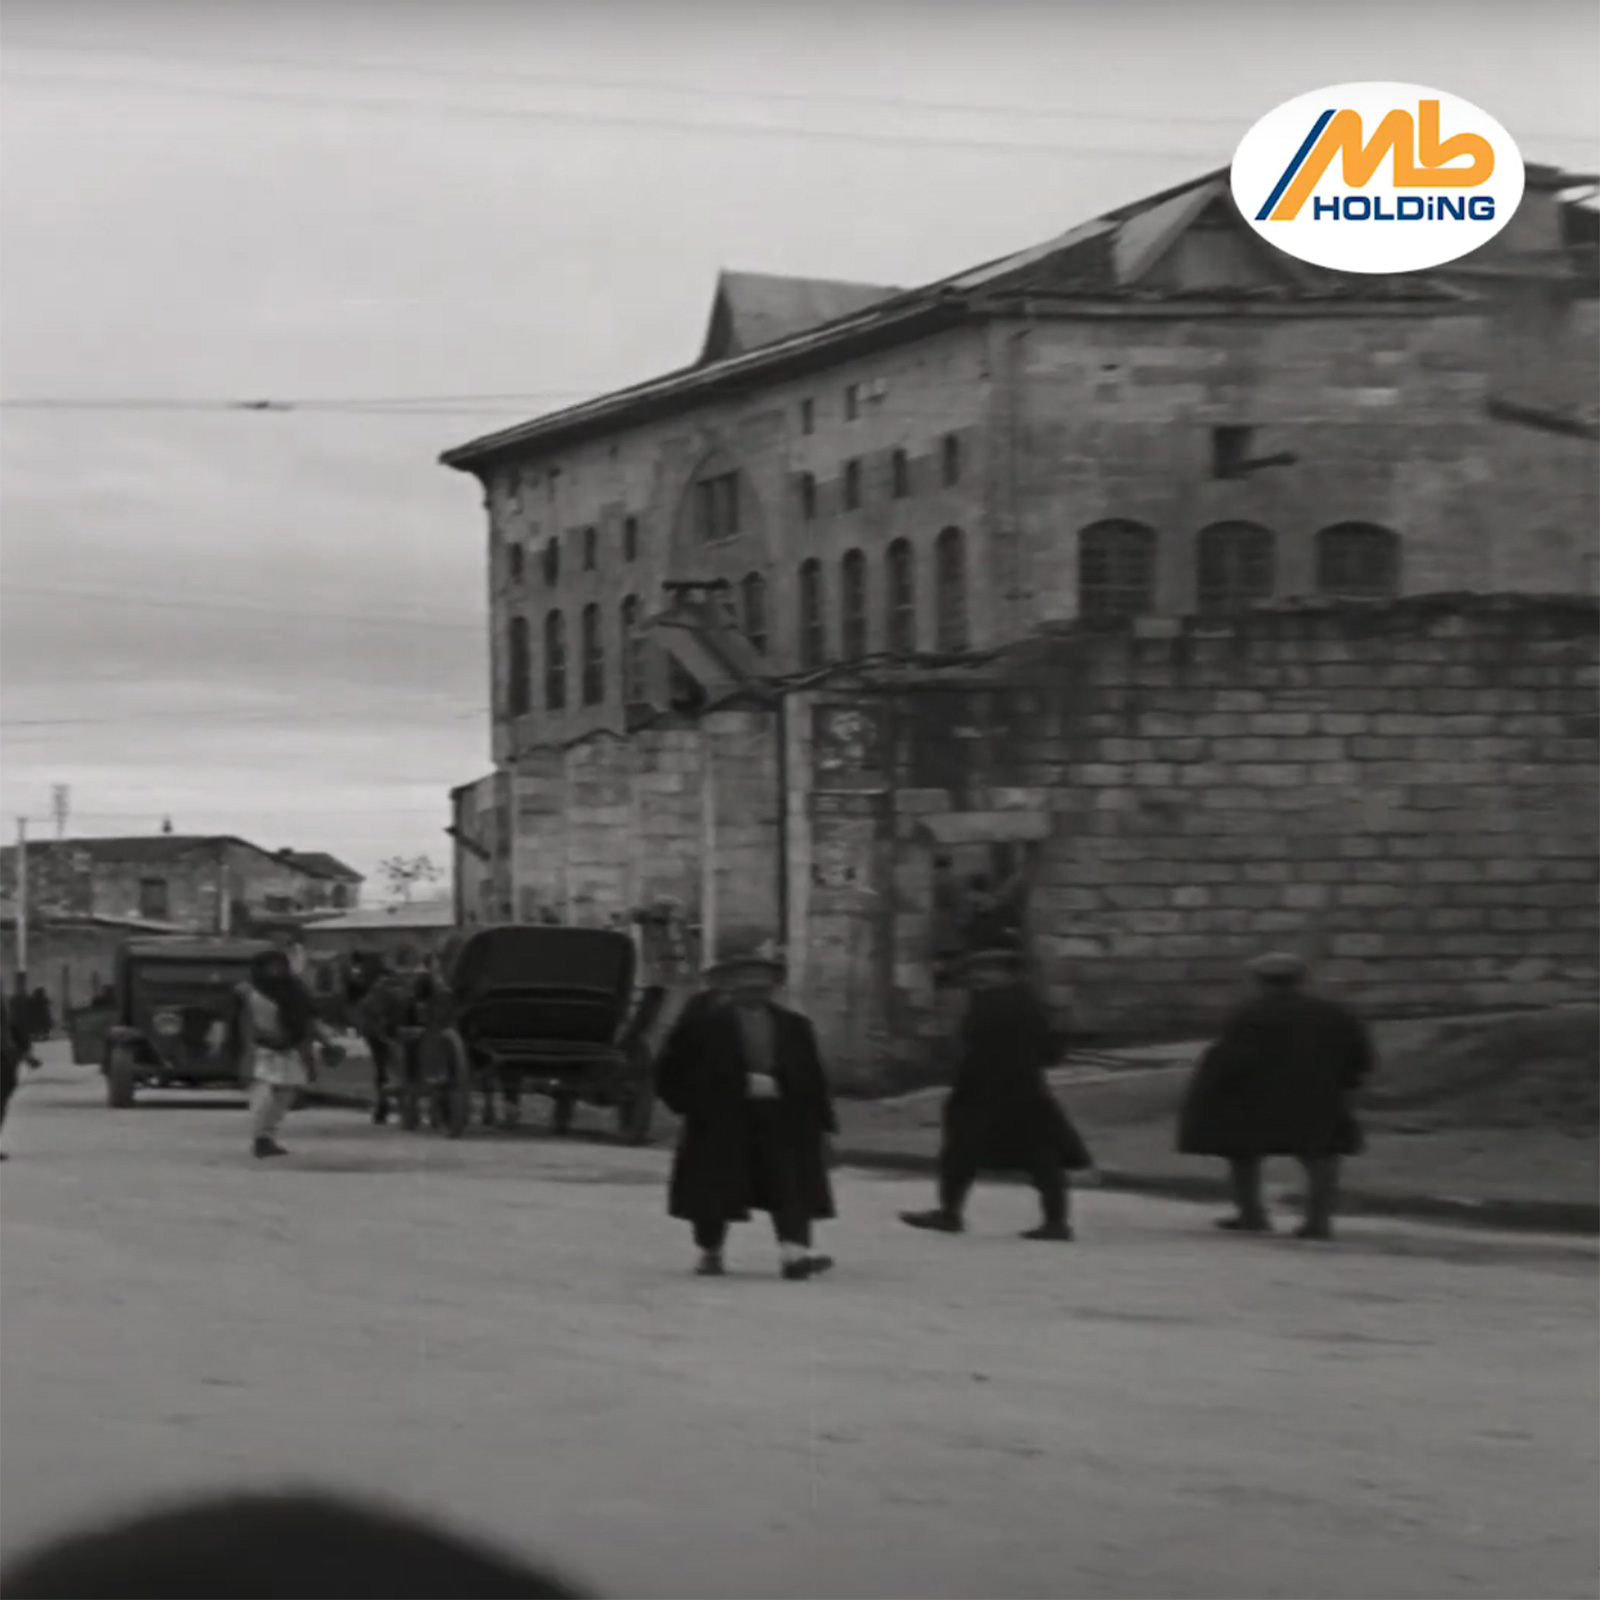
[(742, 950), (1278, 966), (988, 962)]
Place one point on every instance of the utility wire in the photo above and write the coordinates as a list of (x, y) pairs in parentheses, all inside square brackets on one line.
[(479, 76), (447, 109), (285, 716)]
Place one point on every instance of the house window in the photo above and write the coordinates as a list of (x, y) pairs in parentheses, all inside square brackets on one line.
[(591, 549), (340, 896), (853, 605), (950, 460), (594, 657), (1234, 566), (852, 486), (900, 593), (813, 627), (808, 416), (900, 472), (717, 507), (1230, 449), (630, 538), (950, 599), (519, 669), (515, 562), (808, 496), (555, 661), (278, 905), (1358, 560), (1116, 570), (632, 652), (154, 901), (852, 402), (552, 561), (753, 604)]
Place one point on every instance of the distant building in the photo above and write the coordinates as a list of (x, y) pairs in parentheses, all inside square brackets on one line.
[(190, 883)]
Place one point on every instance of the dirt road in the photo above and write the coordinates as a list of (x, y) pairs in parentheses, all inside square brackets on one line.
[(504, 1331)]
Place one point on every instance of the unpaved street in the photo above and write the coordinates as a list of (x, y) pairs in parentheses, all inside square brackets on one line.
[(505, 1331)]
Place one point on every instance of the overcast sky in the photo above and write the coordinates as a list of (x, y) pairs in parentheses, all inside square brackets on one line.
[(274, 624)]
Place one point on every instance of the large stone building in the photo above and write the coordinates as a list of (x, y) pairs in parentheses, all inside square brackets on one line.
[(189, 883), (1150, 417)]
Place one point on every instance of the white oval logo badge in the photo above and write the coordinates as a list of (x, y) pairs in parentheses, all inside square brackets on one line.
[(1377, 177)]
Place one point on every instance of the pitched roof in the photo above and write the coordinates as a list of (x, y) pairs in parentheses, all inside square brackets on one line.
[(1106, 260), (752, 309), (321, 865)]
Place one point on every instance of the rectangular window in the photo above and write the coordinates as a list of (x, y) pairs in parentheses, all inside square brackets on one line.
[(808, 416), (900, 469), (950, 460), (1230, 449), (591, 549), (808, 496), (279, 904), (154, 902), (515, 562), (630, 538), (852, 402), (852, 486), (717, 502)]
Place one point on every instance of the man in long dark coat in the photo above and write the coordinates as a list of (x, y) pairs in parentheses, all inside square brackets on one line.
[(745, 1075), (14, 1047), (1280, 1081), (1001, 1115)]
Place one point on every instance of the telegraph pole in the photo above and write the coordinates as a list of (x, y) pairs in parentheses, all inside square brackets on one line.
[(61, 806), (22, 905)]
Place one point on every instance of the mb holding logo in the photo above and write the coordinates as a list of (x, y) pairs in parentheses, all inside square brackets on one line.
[(1377, 177)]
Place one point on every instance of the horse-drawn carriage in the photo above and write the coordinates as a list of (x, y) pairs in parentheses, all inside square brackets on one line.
[(521, 1010)]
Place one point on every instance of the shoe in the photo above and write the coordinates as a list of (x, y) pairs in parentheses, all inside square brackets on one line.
[(380, 1113), (819, 1264), (710, 1267), (264, 1148), (1321, 1232), (797, 1271), (1240, 1224), (933, 1221), (1061, 1231)]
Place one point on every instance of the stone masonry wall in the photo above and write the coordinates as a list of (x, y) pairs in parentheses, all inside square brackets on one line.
[(1406, 793)]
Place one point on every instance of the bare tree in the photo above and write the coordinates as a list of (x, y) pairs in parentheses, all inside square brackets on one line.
[(404, 873)]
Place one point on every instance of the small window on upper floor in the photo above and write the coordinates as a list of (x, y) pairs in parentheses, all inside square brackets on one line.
[(630, 538), (950, 460), (515, 562), (154, 902), (808, 416), (591, 549), (852, 401), (806, 485), (900, 474), (852, 486), (551, 561), (717, 507), (753, 598), (1230, 450)]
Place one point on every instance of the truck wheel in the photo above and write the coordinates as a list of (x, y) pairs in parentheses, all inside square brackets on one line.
[(120, 1079)]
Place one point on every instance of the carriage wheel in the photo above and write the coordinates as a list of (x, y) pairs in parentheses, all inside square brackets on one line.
[(456, 1090)]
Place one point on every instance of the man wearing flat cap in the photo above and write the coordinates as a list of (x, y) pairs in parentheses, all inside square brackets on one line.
[(1280, 1081), (745, 1075), (1001, 1115)]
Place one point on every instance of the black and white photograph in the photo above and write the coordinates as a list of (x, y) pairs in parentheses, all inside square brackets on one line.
[(800, 801)]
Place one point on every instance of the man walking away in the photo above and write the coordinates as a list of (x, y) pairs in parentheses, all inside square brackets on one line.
[(13, 1052), (745, 1075), (1280, 1080), (1001, 1115), (41, 1015)]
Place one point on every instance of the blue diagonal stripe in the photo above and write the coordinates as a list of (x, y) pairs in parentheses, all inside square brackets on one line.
[(1294, 166)]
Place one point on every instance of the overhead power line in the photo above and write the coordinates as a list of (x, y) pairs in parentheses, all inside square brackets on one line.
[(478, 76), (284, 715)]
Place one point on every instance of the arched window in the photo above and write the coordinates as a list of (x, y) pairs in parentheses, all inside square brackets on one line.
[(853, 606), (1116, 570), (753, 609), (555, 661), (551, 561), (632, 652), (717, 508), (813, 627), (519, 669), (900, 596), (806, 486), (1359, 560), (950, 591), (594, 657), (1235, 566)]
